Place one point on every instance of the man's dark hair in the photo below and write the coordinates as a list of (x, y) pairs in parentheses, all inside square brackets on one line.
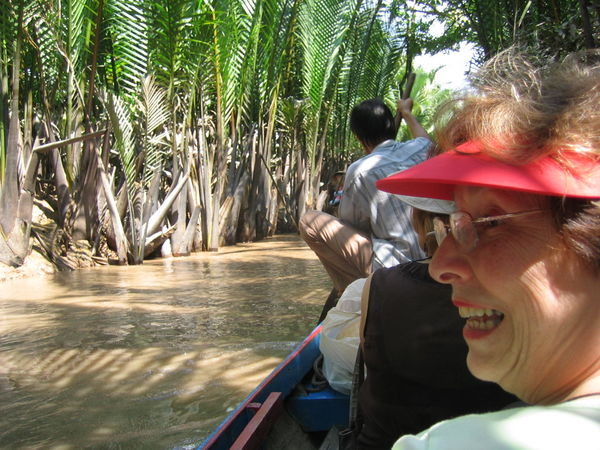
[(372, 122)]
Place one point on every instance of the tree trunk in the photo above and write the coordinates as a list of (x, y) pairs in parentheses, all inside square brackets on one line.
[(157, 218), (28, 188), (61, 184), (179, 219), (85, 222), (120, 237), (230, 221), (247, 229), (9, 189), (193, 203), (301, 185), (185, 245), (14, 236), (588, 33)]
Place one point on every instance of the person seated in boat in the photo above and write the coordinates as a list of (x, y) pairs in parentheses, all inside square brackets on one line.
[(522, 252), (335, 190), (373, 228), (414, 352)]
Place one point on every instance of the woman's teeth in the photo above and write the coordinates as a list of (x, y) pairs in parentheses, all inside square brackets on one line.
[(479, 318), (466, 312)]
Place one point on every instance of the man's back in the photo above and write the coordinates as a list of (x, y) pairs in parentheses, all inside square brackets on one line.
[(372, 229), (382, 215)]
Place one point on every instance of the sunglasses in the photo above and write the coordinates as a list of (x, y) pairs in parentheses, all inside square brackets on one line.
[(464, 228)]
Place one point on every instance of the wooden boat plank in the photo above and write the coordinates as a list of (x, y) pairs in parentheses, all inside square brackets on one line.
[(256, 431)]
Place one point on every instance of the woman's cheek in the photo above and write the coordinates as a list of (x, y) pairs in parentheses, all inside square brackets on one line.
[(499, 260)]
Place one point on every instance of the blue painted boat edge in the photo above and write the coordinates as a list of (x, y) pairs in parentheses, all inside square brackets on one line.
[(282, 379)]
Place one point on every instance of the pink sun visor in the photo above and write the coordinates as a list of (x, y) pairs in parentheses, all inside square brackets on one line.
[(466, 166)]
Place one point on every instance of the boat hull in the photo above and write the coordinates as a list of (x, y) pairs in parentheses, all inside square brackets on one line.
[(282, 401)]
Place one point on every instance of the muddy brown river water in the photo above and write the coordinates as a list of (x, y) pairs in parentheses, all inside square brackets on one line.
[(151, 356)]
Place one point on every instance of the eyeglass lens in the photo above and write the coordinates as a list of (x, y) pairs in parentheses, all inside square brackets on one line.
[(440, 229), (462, 228)]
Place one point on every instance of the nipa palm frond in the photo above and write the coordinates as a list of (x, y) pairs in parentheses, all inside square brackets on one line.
[(128, 29), (120, 118), (46, 39), (155, 116), (236, 50)]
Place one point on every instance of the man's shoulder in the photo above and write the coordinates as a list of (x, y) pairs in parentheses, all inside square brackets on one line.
[(392, 153), (415, 145)]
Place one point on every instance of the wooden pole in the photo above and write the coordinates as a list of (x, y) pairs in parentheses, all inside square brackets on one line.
[(410, 81)]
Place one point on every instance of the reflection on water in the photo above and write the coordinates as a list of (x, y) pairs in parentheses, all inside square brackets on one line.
[(150, 356)]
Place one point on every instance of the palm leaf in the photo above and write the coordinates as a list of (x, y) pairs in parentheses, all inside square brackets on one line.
[(121, 121), (128, 30), (47, 40), (237, 50), (123, 130), (323, 26), (156, 116), (76, 40)]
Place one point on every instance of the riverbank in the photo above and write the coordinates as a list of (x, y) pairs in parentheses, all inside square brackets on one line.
[(35, 265)]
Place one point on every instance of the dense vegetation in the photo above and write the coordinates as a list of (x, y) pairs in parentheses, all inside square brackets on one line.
[(197, 123)]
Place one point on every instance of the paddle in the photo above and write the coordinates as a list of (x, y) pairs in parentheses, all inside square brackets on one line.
[(404, 94), (329, 303)]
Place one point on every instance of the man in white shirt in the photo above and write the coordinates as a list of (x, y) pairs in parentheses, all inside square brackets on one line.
[(373, 229)]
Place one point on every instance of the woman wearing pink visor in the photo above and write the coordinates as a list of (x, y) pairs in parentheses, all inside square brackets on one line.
[(522, 251)]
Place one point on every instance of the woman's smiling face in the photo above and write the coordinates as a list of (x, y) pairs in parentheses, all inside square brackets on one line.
[(530, 311)]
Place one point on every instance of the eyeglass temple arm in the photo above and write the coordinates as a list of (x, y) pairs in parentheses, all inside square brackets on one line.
[(506, 216)]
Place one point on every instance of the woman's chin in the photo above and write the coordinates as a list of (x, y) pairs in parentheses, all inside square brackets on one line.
[(482, 370)]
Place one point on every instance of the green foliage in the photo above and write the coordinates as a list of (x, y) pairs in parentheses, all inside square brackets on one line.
[(127, 30), (427, 96), (155, 116), (553, 26), (45, 34), (223, 85), (123, 130), (323, 25)]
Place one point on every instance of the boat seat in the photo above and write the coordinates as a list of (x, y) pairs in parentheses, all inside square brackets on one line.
[(257, 429), (332, 405)]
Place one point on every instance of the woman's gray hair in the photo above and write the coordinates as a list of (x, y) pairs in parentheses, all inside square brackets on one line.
[(524, 108)]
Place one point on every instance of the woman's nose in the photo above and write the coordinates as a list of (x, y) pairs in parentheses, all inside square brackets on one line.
[(448, 264)]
